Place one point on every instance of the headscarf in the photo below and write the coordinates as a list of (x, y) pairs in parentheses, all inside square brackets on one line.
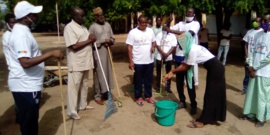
[(186, 41)]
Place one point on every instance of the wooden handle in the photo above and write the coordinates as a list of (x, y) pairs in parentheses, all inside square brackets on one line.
[(116, 82), (62, 96)]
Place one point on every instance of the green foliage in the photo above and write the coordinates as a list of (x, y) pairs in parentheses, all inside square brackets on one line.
[(119, 9)]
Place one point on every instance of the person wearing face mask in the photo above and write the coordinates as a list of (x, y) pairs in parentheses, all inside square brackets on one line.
[(26, 67), (214, 103), (10, 22), (141, 46), (257, 102), (105, 38), (193, 27), (80, 60), (249, 44)]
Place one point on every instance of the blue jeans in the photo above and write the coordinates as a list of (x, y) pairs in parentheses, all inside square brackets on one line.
[(245, 81), (143, 75), (225, 50)]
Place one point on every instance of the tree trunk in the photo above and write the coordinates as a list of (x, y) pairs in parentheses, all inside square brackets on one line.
[(219, 22)]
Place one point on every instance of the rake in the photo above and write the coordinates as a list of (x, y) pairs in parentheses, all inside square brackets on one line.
[(111, 107)]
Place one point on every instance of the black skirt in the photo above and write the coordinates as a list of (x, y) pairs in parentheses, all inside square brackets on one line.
[(214, 106)]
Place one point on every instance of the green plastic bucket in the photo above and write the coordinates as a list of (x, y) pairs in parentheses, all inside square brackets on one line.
[(165, 112)]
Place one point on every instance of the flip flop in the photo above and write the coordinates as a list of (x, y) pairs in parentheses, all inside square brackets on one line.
[(193, 121), (195, 125)]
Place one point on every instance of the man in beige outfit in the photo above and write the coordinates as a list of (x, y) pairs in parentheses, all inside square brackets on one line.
[(80, 60), (105, 38)]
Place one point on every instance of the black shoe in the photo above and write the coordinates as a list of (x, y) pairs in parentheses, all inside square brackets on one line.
[(193, 111), (182, 105)]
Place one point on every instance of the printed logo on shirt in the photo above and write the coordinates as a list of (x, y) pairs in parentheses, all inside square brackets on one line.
[(260, 48), (22, 52), (142, 41)]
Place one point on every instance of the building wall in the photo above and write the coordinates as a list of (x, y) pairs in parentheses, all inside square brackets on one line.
[(237, 23)]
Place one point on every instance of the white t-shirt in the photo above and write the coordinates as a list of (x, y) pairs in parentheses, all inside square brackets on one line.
[(225, 33), (167, 43), (141, 41), (183, 26), (249, 38), (261, 51), (5, 44), (157, 30), (23, 44), (198, 54)]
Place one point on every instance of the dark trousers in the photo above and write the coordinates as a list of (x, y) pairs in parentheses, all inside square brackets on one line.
[(180, 87), (143, 75), (28, 106), (168, 67), (246, 79)]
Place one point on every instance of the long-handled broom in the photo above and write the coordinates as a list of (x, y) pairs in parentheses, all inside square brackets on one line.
[(164, 35), (62, 97), (119, 102), (111, 107)]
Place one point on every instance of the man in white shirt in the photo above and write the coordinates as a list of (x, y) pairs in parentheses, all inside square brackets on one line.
[(224, 46), (141, 45), (193, 27), (158, 28), (166, 44), (10, 22), (26, 64), (258, 93), (249, 44)]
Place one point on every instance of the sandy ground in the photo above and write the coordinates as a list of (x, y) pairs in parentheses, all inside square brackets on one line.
[(130, 119)]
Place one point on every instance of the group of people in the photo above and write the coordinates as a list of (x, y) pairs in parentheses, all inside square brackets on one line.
[(182, 39), (82, 57), (256, 81), (26, 62)]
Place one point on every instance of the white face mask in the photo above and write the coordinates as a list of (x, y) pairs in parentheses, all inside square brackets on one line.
[(189, 19), (9, 27), (33, 25)]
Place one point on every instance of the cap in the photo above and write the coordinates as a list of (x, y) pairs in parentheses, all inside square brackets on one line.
[(97, 10), (24, 8)]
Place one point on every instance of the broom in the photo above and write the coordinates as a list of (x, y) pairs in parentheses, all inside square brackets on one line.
[(62, 97), (162, 48), (116, 82), (111, 107)]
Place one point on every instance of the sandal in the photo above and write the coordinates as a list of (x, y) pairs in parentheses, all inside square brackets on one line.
[(195, 125), (139, 102), (259, 124), (193, 121)]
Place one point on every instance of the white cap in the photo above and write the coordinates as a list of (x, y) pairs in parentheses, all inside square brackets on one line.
[(24, 8)]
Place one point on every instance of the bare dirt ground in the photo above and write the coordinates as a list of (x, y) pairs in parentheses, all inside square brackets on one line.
[(130, 119)]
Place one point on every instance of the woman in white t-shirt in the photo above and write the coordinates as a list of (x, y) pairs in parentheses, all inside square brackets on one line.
[(214, 108)]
